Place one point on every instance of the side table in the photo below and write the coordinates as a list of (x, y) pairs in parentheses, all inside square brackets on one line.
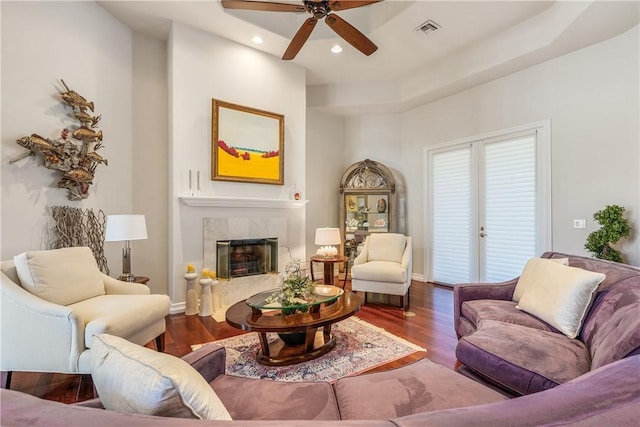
[(329, 263), (141, 279)]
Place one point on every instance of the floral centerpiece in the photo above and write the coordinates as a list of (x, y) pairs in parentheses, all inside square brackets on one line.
[(295, 288)]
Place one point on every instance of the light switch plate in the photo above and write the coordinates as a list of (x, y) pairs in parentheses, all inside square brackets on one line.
[(579, 223)]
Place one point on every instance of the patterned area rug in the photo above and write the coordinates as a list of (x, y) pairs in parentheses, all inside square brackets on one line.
[(360, 346)]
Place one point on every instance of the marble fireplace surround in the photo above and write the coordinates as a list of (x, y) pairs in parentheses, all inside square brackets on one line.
[(228, 292), (230, 218)]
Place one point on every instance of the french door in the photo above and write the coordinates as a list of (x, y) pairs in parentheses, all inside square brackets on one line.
[(488, 205)]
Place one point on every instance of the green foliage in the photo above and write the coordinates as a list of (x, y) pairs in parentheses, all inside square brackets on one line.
[(295, 287), (614, 227)]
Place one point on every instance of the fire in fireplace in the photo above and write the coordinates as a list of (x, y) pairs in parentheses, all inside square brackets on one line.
[(246, 257)]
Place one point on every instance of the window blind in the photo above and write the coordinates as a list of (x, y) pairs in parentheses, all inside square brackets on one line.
[(509, 200), (451, 192)]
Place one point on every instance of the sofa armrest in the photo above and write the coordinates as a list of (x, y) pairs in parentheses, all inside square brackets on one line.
[(31, 325), (118, 287), (209, 360), (475, 291), (407, 256)]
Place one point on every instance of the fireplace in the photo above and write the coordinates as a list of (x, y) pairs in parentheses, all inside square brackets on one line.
[(246, 257)]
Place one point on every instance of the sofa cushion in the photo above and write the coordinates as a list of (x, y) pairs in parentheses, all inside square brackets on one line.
[(527, 278), (523, 359), (615, 271), (380, 271), (477, 311), (120, 315), (263, 399), (558, 294), (613, 328), (419, 387), (133, 379), (60, 276), (608, 396), (386, 247)]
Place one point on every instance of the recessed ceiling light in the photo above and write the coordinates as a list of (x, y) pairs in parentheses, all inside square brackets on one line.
[(257, 39), (336, 48)]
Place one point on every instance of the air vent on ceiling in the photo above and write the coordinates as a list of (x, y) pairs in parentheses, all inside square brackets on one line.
[(428, 27)]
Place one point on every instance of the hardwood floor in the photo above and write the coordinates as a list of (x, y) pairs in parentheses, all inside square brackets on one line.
[(431, 327)]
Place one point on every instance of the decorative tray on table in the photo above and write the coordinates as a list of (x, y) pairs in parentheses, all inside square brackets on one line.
[(268, 300)]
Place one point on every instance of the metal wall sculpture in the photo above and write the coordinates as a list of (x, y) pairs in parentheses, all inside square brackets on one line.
[(74, 152), (80, 227)]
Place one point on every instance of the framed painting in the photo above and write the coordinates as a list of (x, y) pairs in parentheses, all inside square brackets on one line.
[(247, 144)]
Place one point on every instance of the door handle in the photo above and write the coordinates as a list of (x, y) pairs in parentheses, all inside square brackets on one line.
[(482, 234)]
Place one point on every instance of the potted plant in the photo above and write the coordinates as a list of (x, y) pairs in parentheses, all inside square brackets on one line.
[(614, 227), (296, 289), (295, 286)]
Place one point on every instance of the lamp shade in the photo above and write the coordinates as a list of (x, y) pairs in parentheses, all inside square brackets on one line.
[(125, 227), (328, 236)]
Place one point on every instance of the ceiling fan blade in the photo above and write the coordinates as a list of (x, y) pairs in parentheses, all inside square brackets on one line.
[(262, 6), (350, 34), (299, 39), (350, 4)]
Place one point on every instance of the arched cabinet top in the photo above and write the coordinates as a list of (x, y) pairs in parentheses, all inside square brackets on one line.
[(368, 175)]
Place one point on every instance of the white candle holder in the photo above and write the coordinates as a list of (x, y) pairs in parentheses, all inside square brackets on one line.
[(206, 303), (191, 305)]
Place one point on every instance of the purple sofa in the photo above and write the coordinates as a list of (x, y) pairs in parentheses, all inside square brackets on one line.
[(416, 395), (517, 352)]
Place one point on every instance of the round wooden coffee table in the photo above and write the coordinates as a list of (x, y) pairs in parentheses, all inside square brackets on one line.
[(313, 327)]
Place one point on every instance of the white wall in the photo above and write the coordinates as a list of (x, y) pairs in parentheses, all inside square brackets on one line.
[(81, 43), (203, 66), (150, 158), (592, 99), (325, 162)]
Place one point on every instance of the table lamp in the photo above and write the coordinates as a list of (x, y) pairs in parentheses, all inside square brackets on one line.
[(125, 228), (327, 238)]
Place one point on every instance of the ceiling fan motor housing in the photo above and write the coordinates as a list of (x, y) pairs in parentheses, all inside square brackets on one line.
[(318, 9)]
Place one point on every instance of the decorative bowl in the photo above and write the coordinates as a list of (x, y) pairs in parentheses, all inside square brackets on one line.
[(325, 290)]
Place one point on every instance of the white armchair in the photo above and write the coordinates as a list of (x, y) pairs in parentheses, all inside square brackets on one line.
[(384, 266), (54, 302)]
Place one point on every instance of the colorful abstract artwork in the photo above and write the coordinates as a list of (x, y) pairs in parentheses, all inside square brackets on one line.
[(247, 144)]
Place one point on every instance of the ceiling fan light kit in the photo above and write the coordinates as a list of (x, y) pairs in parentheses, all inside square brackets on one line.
[(318, 9)]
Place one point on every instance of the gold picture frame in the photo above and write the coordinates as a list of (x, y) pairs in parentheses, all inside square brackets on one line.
[(247, 144)]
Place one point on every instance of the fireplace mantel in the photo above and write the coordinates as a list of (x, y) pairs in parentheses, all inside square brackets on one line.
[(241, 202)]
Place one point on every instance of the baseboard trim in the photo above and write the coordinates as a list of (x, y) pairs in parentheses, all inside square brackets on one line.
[(177, 308)]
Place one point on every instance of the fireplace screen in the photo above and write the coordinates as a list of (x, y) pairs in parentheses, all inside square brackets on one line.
[(246, 257)]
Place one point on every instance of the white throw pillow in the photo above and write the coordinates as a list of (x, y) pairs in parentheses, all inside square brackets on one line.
[(558, 294), (133, 379), (386, 247), (60, 276), (524, 283)]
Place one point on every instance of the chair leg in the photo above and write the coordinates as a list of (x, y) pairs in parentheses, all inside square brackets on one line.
[(160, 342), (6, 379), (405, 301)]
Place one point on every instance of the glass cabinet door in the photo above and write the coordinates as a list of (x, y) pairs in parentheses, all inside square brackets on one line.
[(368, 212), (364, 214)]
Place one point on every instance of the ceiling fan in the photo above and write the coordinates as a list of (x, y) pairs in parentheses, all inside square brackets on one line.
[(319, 9)]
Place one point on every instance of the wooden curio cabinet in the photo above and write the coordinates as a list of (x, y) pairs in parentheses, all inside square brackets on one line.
[(372, 201)]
